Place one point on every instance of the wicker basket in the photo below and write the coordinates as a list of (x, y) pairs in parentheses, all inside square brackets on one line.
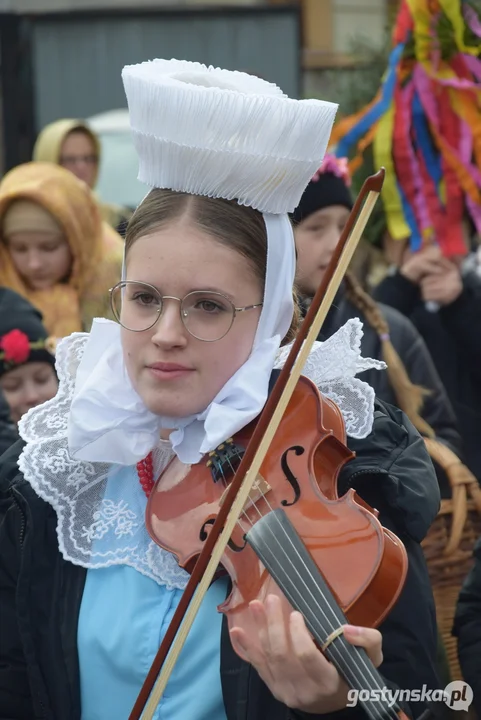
[(448, 547)]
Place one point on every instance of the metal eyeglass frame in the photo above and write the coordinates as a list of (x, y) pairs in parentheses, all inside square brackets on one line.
[(235, 309)]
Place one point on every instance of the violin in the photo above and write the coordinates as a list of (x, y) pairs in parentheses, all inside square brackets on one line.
[(264, 508), (294, 498)]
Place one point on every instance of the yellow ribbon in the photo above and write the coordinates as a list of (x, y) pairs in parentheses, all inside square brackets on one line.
[(382, 151), (422, 16), (452, 10)]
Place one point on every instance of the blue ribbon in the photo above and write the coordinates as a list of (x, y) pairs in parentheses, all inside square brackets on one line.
[(342, 149), (424, 142)]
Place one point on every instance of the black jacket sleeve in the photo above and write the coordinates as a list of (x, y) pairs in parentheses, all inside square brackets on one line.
[(8, 434), (437, 409), (462, 319), (15, 697), (395, 475), (398, 292), (467, 628), (392, 466)]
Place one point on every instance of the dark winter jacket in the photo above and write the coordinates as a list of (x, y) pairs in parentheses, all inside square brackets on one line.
[(437, 409), (467, 628), (41, 593), (453, 338), (8, 434)]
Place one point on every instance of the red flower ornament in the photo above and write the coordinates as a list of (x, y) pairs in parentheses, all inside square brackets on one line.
[(15, 346)]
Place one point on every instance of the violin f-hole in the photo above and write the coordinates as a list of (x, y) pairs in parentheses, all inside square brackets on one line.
[(231, 544), (290, 477)]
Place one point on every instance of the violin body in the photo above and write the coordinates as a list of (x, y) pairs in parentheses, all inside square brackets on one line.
[(363, 563)]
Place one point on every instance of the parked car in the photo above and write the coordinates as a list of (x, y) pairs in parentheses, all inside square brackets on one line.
[(117, 181)]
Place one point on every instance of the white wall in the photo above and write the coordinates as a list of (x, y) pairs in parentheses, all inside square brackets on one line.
[(355, 19)]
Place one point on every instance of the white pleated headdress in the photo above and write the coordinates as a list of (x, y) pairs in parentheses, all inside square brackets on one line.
[(221, 134), (224, 134)]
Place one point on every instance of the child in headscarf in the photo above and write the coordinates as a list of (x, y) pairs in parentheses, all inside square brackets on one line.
[(27, 355), (54, 248), (72, 144)]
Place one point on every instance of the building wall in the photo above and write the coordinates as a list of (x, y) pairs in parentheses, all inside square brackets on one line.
[(332, 30), (353, 20), (331, 26), (78, 60), (21, 6)]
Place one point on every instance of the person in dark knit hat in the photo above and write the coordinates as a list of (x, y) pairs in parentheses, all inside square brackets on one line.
[(411, 381), (27, 355)]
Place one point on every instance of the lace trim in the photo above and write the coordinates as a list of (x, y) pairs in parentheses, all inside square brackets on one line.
[(332, 365), (101, 507)]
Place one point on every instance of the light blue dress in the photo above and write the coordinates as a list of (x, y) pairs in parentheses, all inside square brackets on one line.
[(124, 615), (123, 618)]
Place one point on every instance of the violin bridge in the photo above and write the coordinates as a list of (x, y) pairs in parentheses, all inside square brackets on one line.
[(258, 492)]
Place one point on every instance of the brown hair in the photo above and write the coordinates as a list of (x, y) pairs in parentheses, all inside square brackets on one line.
[(240, 227), (410, 397)]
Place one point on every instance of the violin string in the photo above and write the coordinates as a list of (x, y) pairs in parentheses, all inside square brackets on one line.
[(357, 669)]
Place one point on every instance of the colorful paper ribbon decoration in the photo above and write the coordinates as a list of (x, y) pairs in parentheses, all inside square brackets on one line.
[(424, 125)]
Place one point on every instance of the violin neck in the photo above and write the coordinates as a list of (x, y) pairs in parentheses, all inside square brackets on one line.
[(280, 549)]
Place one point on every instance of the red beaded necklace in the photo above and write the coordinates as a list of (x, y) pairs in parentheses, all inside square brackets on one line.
[(145, 471)]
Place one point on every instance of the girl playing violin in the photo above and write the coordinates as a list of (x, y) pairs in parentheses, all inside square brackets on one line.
[(205, 310)]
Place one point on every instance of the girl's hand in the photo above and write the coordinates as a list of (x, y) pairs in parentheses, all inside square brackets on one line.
[(296, 672)]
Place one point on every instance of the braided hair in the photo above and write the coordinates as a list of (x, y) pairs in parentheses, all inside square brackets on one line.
[(410, 397)]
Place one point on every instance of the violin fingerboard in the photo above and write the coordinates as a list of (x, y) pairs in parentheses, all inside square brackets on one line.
[(282, 552)]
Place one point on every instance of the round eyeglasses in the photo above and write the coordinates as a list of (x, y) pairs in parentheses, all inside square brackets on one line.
[(205, 314)]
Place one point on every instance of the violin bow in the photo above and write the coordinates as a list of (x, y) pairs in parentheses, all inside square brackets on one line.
[(257, 448)]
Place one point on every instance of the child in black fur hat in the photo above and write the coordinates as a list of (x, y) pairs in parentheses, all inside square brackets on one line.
[(27, 355)]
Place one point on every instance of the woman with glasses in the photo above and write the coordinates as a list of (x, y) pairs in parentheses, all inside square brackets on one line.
[(205, 312), (55, 250), (73, 145)]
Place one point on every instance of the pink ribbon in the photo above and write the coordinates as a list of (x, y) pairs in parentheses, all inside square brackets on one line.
[(421, 80), (473, 65), (472, 20)]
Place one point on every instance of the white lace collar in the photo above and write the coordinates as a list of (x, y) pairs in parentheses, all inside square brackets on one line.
[(101, 507)]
